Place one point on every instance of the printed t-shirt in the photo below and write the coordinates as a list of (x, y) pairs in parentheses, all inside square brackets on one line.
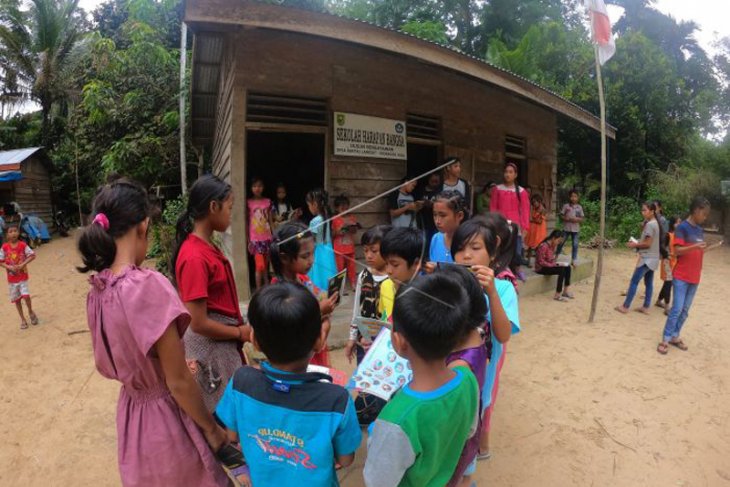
[(689, 264), (438, 251), (291, 426), (387, 299), (259, 211), (367, 298), (203, 272), (651, 256), (459, 187), (14, 256), (509, 300), (571, 211), (398, 200), (344, 243), (410, 443)]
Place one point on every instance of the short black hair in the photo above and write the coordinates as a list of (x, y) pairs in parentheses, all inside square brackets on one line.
[(286, 320), (375, 234), (406, 243), (697, 203), (341, 200), (430, 313), (477, 301), (10, 225)]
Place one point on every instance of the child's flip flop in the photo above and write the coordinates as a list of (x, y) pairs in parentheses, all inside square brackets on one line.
[(24, 325), (34, 320)]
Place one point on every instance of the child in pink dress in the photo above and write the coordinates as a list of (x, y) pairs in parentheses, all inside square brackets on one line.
[(260, 228), (165, 433)]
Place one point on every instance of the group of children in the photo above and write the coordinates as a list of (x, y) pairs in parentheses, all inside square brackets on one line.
[(186, 394), (676, 247)]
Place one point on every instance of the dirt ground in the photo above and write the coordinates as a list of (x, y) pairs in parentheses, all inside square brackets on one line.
[(579, 404)]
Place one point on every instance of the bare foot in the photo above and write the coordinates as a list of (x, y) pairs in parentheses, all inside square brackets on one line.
[(621, 309), (642, 310)]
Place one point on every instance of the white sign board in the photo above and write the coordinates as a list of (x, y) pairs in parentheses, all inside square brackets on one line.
[(362, 136)]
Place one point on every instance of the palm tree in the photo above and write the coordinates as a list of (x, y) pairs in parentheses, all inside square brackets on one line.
[(36, 46)]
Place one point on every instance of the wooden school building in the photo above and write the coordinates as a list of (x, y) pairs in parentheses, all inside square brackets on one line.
[(315, 100)]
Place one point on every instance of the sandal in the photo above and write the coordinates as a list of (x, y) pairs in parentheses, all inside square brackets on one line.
[(642, 310), (562, 299), (662, 348), (569, 295), (659, 304), (33, 319), (679, 344), (24, 325), (484, 456)]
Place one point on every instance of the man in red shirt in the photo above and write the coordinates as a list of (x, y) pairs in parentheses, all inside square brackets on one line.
[(690, 248), (15, 255)]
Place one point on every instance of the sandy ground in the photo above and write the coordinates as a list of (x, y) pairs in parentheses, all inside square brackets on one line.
[(579, 404)]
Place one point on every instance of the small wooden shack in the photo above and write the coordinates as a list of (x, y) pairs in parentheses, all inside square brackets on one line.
[(25, 179), (312, 99)]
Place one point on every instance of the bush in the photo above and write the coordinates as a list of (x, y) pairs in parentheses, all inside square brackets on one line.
[(623, 219), (163, 235), (676, 187)]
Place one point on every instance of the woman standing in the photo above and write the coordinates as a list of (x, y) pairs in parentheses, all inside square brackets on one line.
[(513, 202), (648, 248)]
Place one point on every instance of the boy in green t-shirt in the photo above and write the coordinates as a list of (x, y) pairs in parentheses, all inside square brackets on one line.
[(418, 437)]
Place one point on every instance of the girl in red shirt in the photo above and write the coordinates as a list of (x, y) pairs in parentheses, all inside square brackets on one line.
[(205, 282), (292, 256), (344, 229)]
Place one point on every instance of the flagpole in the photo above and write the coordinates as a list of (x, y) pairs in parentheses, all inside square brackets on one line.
[(602, 224)]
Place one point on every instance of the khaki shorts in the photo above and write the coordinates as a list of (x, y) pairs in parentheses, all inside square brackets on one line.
[(18, 290)]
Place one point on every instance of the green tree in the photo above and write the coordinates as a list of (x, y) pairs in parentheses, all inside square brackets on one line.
[(37, 50)]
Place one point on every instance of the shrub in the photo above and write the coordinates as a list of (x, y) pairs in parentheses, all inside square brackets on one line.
[(163, 234)]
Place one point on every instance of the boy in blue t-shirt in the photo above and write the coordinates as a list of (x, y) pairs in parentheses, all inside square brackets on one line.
[(293, 425), (418, 437)]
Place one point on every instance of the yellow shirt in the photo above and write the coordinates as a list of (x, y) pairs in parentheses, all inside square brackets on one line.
[(387, 298)]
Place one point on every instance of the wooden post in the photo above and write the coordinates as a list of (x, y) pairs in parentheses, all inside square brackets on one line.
[(183, 62), (602, 224)]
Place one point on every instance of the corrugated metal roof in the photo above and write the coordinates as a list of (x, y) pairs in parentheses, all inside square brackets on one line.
[(16, 156)]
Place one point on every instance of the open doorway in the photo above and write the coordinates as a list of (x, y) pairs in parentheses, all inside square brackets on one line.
[(294, 159), (421, 158)]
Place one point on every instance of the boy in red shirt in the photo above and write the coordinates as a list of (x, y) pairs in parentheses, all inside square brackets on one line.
[(344, 229), (15, 255)]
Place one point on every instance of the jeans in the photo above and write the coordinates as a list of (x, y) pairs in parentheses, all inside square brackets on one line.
[(563, 274), (684, 293), (574, 243), (648, 275)]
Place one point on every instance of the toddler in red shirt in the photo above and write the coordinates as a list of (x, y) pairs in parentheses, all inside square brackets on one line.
[(15, 255), (344, 229)]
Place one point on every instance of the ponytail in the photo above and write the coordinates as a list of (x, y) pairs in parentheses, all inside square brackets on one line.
[(287, 241), (117, 207), (205, 190), (508, 232), (320, 197)]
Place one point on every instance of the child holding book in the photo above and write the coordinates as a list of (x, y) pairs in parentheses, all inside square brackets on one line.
[(164, 431), (367, 292), (15, 255), (292, 256), (411, 443), (572, 215), (478, 242), (401, 248), (293, 425), (344, 229)]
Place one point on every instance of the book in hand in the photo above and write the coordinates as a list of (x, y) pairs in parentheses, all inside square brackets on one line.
[(382, 371), (370, 327), (336, 284), (231, 458), (338, 376)]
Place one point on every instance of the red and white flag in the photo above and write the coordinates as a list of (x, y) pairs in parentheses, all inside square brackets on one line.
[(601, 30)]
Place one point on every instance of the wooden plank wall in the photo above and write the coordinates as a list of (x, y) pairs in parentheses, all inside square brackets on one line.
[(221, 156), (33, 192), (475, 117)]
